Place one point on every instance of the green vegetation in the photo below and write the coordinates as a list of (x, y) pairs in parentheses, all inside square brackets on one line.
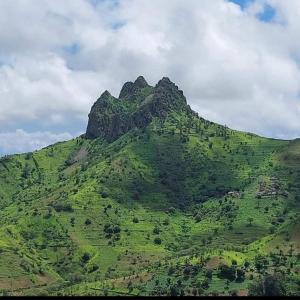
[(180, 206)]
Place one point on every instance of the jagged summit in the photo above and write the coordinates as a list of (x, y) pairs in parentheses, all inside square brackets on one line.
[(141, 82), (165, 81), (112, 117), (105, 95), (129, 89)]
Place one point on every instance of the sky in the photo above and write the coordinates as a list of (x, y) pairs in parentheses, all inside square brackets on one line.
[(237, 61)]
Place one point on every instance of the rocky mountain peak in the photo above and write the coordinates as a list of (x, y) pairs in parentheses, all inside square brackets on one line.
[(129, 89), (105, 95), (165, 81), (140, 82), (113, 118)]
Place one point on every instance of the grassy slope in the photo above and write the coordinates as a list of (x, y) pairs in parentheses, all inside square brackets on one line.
[(47, 197)]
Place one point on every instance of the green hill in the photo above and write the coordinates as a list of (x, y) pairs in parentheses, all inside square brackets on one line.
[(152, 200)]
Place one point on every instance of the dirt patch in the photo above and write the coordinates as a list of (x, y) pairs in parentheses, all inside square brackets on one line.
[(214, 263), (81, 154), (135, 279), (243, 293)]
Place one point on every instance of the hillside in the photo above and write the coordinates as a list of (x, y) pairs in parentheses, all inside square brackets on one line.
[(152, 200)]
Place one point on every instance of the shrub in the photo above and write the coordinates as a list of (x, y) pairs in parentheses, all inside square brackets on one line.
[(104, 194), (67, 207), (227, 272), (157, 241), (240, 274), (197, 218), (156, 230), (88, 222), (208, 274), (166, 222), (85, 257)]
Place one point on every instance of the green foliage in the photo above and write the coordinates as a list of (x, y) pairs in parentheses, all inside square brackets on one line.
[(174, 208), (269, 285)]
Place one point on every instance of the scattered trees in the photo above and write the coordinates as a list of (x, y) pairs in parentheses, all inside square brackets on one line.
[(269, 285)]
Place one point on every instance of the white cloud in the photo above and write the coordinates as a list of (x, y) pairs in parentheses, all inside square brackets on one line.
[(234, 68), (21, 141)]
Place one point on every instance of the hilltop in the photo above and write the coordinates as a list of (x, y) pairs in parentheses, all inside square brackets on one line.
[(152, 200)]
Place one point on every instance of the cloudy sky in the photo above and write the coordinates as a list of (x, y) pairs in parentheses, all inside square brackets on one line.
[(238, 62)]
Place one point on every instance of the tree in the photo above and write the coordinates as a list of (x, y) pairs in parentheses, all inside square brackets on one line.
[(260, 263), (269, 285), (135, 220), (174, 291), (26, 171), (208, 274), (88, 222), (246, 264), (227, 272), (240, 275), (156, 230), (85, 257), (157, 241), (250, 220), (166, 222)]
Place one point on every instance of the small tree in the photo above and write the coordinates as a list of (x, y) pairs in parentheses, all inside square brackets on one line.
[(85, 257), (135, 220), (157, 241), (156, 230), (88, 222), (250, 220)]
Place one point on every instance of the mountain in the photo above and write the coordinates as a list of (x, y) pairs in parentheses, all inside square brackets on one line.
[(152, 200), (136, 107)]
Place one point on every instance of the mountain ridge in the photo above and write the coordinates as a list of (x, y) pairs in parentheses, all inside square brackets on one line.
[(156, 201)]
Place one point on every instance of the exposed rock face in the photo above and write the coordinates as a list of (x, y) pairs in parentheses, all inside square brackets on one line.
[(129, 89), (106, 119), (111, 117)]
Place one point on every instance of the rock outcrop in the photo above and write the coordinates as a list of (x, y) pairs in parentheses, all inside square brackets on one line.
[(129, 89), (136, 107)]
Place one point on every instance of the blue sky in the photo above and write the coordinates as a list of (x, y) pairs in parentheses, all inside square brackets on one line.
[(266, 15), (237, 62), (242, 3)]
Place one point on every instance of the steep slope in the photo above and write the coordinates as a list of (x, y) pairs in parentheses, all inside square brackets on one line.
[(150, 195)]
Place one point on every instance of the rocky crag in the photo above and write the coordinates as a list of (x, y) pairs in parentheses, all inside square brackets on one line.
[(137, 105)]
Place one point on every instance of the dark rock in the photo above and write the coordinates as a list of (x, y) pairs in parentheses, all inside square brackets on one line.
[(110, 118), (141, 82), (129, 89)]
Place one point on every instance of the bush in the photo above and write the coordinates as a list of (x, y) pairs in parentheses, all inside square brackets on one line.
[(93, 268), (111, 229), (88, 222), (156, 230), (208, 274), (171, 210), (197, 218), (240, 274), (166, 222), (104, 194), (135, 220), (85, 257), (157, 241), (227, 272), (67, 207)]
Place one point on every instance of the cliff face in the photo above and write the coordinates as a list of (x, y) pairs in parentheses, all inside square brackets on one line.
[(136, 107)]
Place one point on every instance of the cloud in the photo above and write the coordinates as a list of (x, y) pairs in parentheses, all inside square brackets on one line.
[(21, 141), (238, 66)]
